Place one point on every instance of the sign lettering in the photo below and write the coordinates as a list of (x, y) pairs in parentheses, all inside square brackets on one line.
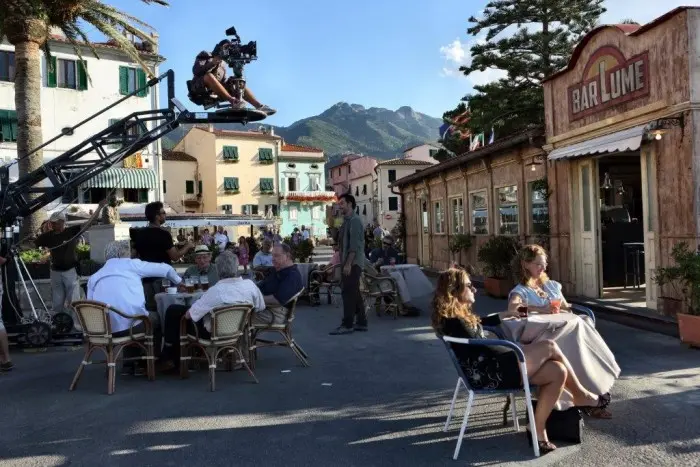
[(608, 80)]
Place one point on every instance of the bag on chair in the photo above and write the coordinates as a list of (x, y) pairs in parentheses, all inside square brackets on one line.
[(564, 425)]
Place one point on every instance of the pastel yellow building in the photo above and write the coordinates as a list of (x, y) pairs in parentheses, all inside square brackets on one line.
[(235, 173)]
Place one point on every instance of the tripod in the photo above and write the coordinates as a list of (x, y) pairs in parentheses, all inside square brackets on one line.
[(36, 328)]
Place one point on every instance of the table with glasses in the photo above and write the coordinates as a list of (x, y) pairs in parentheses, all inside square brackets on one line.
[(164, 300)]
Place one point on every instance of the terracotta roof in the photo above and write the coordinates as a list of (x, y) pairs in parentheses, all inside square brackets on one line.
[(111, 45), (525, 136), (179, 156), (235, 133), (627, 29), (299, 148), (402, 161)]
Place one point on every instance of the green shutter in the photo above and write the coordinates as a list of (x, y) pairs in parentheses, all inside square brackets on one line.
[(82, 75), (265, 155), (230, 183), (189, 187), (267, 185), (230, 153), (123, 80), (51, 70), (8, 125), (201, 187), (143, 196), (165, 186), (283, 184), (141, 82)]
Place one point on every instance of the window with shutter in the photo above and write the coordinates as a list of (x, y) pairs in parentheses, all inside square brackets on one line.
[(51, 72), (189, 187), (141, 82), (265, 155), (230, 153), (267, 185), (7, 66), (123, 80), (131, 79), (8, 126), (230, 183)]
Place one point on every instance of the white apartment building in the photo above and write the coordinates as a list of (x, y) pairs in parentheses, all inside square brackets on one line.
[(363, 191), (69, 94), (422, 152), (389, 203)]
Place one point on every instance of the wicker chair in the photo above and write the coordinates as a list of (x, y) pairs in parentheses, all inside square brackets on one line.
[(229, 324), (97, 330), (381, 289), (285, 329), (318, 279)]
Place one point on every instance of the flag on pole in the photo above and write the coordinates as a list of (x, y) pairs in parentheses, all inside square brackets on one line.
[(476, 141), (493, 136)]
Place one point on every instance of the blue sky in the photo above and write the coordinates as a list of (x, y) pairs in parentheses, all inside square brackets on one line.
[(315, 53)]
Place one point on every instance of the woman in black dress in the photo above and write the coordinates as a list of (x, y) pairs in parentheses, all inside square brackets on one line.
[(497, 368)]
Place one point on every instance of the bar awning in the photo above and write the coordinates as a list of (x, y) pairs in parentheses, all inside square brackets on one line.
[(625, 140), (119, 177)]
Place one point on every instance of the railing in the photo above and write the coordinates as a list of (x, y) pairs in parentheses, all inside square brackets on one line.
[(318, 196)]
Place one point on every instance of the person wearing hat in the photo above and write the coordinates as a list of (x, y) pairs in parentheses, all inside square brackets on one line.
[(203, 266), (61, 241)]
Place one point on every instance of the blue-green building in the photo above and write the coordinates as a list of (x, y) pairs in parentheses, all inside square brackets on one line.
[(302, 182)]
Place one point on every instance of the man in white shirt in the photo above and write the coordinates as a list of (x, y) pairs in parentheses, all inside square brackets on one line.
[(263, 258), (118, 284), (230, 290), (221, 239), (305, 234)]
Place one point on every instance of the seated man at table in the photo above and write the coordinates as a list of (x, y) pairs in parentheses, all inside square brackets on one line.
[(263, 259), (203, 266), (118, 283), (230, 290), (382, 256), (279, 287)]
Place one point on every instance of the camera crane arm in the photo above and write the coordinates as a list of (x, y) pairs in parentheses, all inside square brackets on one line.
[(101, 151)]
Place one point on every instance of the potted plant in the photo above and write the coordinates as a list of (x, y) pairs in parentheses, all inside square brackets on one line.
[(684, 279), (458, 244), (37, 262), (496, 256)]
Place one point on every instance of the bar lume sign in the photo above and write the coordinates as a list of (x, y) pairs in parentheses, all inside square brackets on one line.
[(609, 80)]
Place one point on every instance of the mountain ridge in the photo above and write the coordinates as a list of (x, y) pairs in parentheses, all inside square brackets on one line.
[(350, 128)]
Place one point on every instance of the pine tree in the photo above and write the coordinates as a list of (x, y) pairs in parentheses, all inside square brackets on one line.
[(546, 32)]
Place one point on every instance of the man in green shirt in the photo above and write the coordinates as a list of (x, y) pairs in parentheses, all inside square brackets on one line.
[(203, 266), (351, 239)]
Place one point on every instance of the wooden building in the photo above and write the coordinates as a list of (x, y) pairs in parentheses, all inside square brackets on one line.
[(622, 126), (491, 190)]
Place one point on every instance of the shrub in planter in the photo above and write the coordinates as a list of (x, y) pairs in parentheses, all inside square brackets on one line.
[(83, 252), (37, 262), (460, 243), (684, 279), (302, 251), (496, 256)]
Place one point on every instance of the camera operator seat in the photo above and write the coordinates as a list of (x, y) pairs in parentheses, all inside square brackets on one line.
[(208, 100)]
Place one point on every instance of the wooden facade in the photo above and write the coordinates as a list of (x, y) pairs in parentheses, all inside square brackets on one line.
[(453, 197), (632, 77)]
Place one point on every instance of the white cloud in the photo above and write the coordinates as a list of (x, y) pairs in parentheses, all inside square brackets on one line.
[(456, 54)]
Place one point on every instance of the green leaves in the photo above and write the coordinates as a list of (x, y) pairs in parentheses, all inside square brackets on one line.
[(528, 40)]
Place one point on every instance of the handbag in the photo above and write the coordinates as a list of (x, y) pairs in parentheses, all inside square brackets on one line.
[(564, 425)]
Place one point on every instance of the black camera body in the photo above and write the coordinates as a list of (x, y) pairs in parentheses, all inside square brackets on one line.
[(235, 53)]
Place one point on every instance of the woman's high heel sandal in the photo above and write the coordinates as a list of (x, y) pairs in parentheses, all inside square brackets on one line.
[(603, 403), (545, 446)]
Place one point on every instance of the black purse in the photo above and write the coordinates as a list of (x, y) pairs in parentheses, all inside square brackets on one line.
[(564, 425)]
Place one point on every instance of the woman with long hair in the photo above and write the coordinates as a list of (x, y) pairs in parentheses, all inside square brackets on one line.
[(591, 358), (243, 250), (498, 369)]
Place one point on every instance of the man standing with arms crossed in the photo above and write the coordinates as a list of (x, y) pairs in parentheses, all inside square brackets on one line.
[(351, 239)]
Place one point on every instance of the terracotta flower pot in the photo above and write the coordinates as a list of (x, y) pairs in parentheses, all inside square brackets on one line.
[(689, 329), (497, 288)]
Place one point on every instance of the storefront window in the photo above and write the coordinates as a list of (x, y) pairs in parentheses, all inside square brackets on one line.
[(540, 211), (478, 205), (439, 218), (457, 207), (508, 210)]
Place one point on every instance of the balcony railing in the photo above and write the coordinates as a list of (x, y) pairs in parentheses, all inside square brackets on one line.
[(310, 196), (192, 200)]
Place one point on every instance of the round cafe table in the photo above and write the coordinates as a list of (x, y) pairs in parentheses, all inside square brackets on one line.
[(164, 300)]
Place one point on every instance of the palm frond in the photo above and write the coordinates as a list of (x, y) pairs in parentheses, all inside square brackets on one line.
[(114, 14), (108, 28), (70, 32)]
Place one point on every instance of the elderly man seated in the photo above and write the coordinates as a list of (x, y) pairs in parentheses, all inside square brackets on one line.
[(230, 290), (279, 287), (263, 258), (118, 283), (203, 266), (383, 256)]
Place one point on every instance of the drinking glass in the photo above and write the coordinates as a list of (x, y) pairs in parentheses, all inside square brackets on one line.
[(556, 304), (189, 285), (165, 283), (204, 282)]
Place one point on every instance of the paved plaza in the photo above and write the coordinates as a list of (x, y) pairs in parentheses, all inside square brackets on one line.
[(376, 398)]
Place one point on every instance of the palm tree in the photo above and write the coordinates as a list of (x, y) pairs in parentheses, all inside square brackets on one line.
[(26, 24)]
